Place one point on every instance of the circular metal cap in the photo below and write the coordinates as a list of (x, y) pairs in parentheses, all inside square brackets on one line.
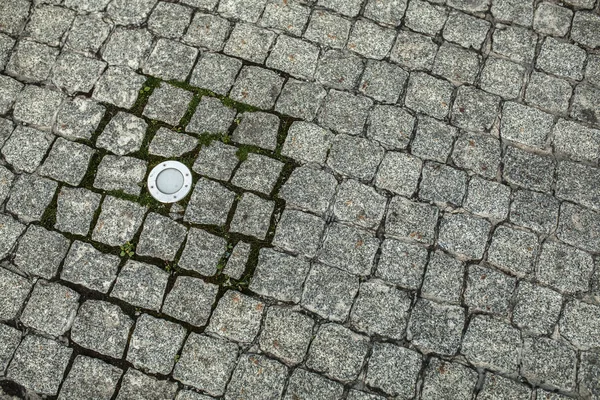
[(169, 181)]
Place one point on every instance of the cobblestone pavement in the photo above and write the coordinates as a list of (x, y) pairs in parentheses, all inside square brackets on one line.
[(393, 199)]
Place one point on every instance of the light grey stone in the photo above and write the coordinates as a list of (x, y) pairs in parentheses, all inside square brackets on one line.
[(464, 235), (488, 290), (202, 252), (40, 252), (309, 189), (211, 116), (394, 370), (217, 160), (277, 339), (536, 308), (252, 216), (215, 72), (118, 222), (31, 61), (30, 196), (435, 327), (89, 267), (209, 204), (328, 29), (118, 86), (168, 103), (258, 173), (170, 60), (249, 42), (564, 268), (257, 377), (37, 106), (401, 263), (370, 40), (279, 276), (76, 73), (443, 280), (355, 157), (257, 87), (237, 317), (26, 147), (15, 290), (140, 284), (90, 377), (190, 300), (78, 119), (135, 385), (298, 232), (411, 220), (307, 142)]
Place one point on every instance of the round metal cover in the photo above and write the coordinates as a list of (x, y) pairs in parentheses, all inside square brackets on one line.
[(169, 181)]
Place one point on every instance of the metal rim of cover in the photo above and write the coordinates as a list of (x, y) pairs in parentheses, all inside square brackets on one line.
[(169, 181)]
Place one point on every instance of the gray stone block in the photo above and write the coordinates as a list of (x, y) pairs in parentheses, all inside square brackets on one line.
[(10, 339), (78, 119), (31, 61), (202, 252), (75, 73), (300, 99), (127, 47), (411, 220), (298, 232), (168, 103), (550, 362), (428, 95), (394, 369), (577, 141), (402, 264), (456, 64), (435, 327), (49, 23), (355, 157), (190, 300), (433, 139), (209, 204), (562, 59), (465, 30), (67, 161), (586, 104), (26, 148), (169, 20), (37, 107), (87, 33), (257, 129), (118, 222), (215, 72), (328, 29), (479, 153), (344, 112), (309, 189), (279, 276), (579, 227), (277, 339), (442, 184), (414, 51), (14, 15), (488, 290), (370, 40), (290, 17), (30, 196), (170, 60), (171, 144), (257, 87), (502, 77), (391, 126), (253, 216), (487, 198), (528, 170), (359, 204), (339, 69), (293, 56), (536, 309), (498, 387), (443, 280), (579, 324), (515, 42), (140, 284), (15, 290), (576, 182), (585, 29), (257, 377), (40, 252), (548, 92), (564, 268), (161, 237), (90, 378), (248, 11), (211, 116), (258, 173), (217, 160), (118, 86), (249, 42), (348, 248), (237, 317), (137, 385), (513, 250), (9, 91), (383, 81), (120, 173), (443, 379), (89, 267), (474, 109)]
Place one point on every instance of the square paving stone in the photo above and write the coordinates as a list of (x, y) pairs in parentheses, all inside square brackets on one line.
[(300, 99), (456, 64), (592, 70), (328, 29), (258, 173), (442, 184), (479, 153), (286, 16), (90, 378), (10, 231), (492, 344), (383, 81), (88, 33), (337, 352), (118, 222), (551, 19), (170, 60), (76, 73), (249, 42), (370, 40), (202, 252), (136, 385), (161, 237), (424, 17), (513, 250), (359, 204), (30, 196), (533, 210), (329, 292), (487, 198), (169, 20), (37, 106), (429, 95), (217, 160), (67, 161), (349, 248), (127, 47), (89, 267), (355, 157), (391, 126), (40, 252), (237, 317), (586, 106), (257, 377), (562, 59), (11, 338), (154, 344), (78, 118), (277, 339), (123, 135), (498, 387), (433, 139), (589, 371), (296, 232), (464, 235), (466, 30), (215, 72), (31, 61), (237, 261), (435, 327), (443, 280), (304, 384), (488, 290), (411, 220), (190, 300), (474, 109), (443, 379), (550, 362), (369, 317), (257, 129), (9, 91), (579, 227), (51, 308), (549, 93), (39, 364), (339, 69), (15, 290), (307, 142), (414, 51), (257, 87), (576, 182), (209, 204), (248, 11), (118, 86), (49, 23), (252, 216), (564, 268), (171, 144), (528, 170), (344, 112), (14, 15), (520, 12), (394, 370), (210, 116), (279, 276), (579, 324), (515, 42), (168, 103), (118, 173), (402, 264), (536, 309), (296, 57), (576, 141), (206, 363), (140, 284), (389, 12), (525, 125), (102, 327), (585, 29)]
